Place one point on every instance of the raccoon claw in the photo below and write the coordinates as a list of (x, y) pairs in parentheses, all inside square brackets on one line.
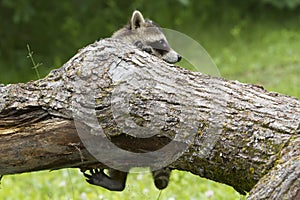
[(87, 175)]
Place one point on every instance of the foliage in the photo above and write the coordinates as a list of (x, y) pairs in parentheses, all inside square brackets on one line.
[(56, 29), (291, 4)]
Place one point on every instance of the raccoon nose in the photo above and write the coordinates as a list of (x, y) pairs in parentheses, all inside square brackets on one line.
[(178, 58)]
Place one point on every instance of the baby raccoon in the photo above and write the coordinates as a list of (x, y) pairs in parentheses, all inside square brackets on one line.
[(148, 37)]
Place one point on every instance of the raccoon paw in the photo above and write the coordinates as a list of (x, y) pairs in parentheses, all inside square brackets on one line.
[(139, 44), (95, 176), (145, 48), (161, 178), (98, 177), (148, 49)]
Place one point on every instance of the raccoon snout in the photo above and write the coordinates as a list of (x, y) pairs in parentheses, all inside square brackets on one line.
[(171, 57), (178, 58)]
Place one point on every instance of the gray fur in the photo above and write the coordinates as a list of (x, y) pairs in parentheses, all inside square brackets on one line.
[(148, 36)]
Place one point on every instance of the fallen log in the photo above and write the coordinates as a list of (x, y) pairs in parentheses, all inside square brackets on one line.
[(112, 105)]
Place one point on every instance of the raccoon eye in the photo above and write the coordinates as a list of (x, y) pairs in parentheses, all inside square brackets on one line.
[(163, 44), (162, 41)]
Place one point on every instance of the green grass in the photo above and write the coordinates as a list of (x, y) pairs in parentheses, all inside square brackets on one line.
[(70, 184), (262, 54)]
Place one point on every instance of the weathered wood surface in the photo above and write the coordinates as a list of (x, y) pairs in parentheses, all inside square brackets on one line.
[(234, 133)]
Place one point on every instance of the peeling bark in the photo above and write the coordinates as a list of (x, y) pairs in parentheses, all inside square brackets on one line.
[(230, 132)]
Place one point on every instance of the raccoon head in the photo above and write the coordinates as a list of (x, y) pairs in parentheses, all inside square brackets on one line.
[(148, 36)]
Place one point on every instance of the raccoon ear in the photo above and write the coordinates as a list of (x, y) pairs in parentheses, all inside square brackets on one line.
[(137, 20)]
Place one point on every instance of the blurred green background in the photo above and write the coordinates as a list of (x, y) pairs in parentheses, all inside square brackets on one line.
[(254, 41)]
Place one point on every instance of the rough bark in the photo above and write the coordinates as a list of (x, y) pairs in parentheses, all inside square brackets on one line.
[(230, 132)]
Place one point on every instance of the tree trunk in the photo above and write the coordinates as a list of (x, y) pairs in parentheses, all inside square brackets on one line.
[(112, 105)]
